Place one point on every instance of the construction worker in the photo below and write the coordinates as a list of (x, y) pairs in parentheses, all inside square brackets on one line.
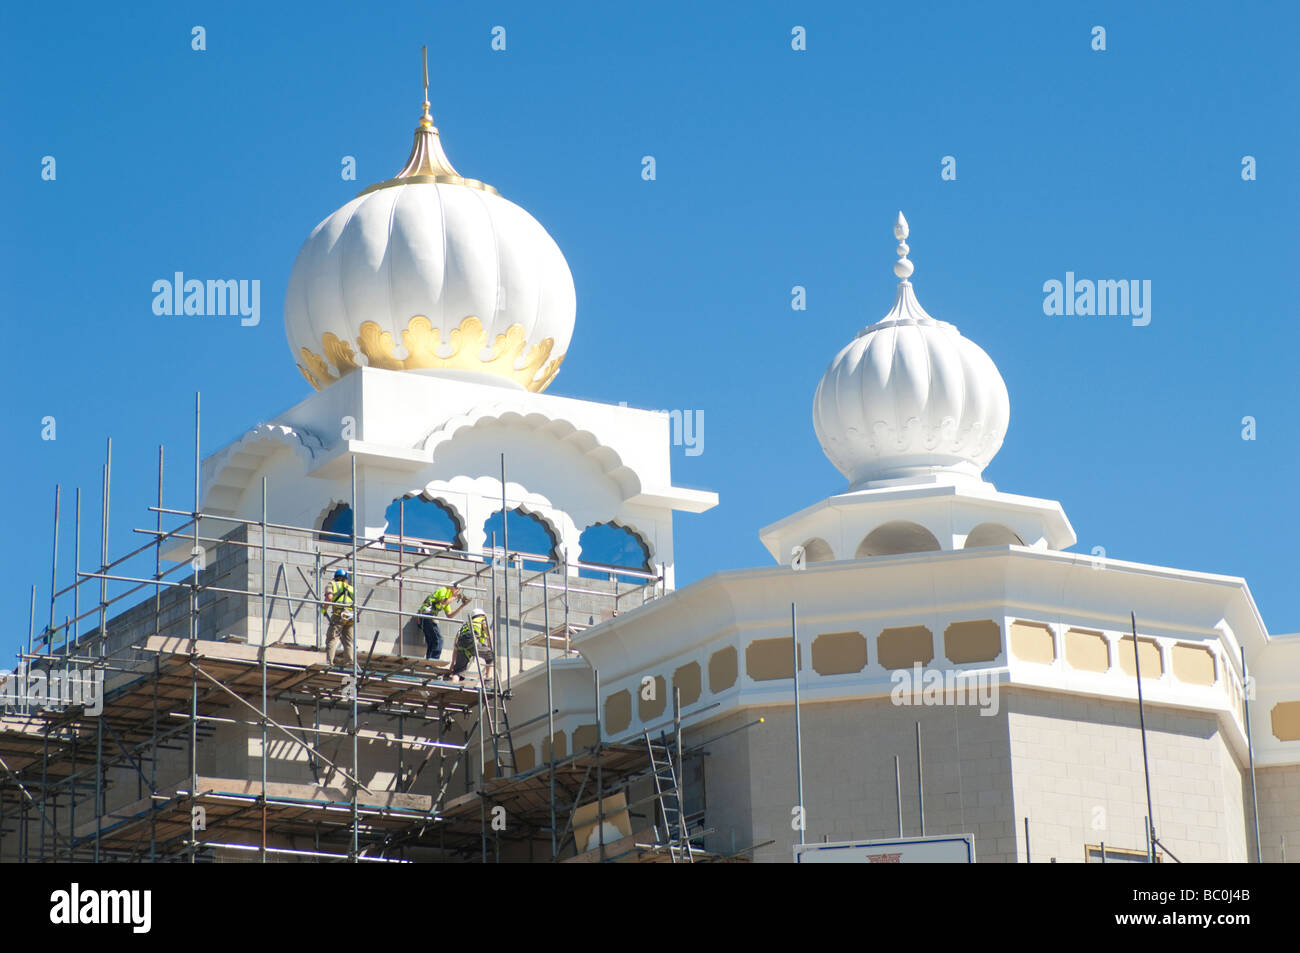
[(475, 637), (438, 604), (339, 598)]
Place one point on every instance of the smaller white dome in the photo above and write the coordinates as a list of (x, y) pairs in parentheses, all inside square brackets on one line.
[(910, 397)]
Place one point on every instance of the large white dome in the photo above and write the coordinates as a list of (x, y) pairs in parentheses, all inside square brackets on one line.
[(910, 397), (434, 273)]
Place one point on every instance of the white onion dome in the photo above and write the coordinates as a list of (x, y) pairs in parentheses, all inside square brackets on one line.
[(435, 273), (910, 398)]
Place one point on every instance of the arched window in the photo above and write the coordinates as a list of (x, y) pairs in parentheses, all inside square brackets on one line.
[(898, 536), (608, 544), (422, 518), (528, 534), (336, 527)]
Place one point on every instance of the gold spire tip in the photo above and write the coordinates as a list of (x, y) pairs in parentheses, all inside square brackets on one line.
[(426, 120)]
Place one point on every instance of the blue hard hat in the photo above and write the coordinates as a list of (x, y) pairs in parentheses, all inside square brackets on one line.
[(340, 574)]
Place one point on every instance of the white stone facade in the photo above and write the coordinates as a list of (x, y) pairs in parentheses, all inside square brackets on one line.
[(571, 463)]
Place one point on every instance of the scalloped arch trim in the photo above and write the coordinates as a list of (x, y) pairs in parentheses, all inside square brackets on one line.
[(563, 430)]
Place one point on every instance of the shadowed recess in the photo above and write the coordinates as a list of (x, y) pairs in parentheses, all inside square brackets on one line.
[(336, 527)]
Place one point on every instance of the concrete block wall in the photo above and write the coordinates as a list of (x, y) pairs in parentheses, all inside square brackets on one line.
[(1072, 765), (1078, 776), (219, 612), (292, 570), (1278, 790), (729, 807), (850, 791)]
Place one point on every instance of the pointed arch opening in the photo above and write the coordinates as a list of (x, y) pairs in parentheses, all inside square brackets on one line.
[(337, 525), (529, 535), (424, 520), (608, 547)]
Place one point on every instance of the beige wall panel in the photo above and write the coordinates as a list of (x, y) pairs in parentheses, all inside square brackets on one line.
[(561, 747), (1032, 642), (1286, 721), (904, 646), (770, 659), (724, 666), (686, 679), (1193, 664), (839, 653), (618, 712), (1148, 655), (1087, 650), (525, 758), (657, 703), (976, 641)]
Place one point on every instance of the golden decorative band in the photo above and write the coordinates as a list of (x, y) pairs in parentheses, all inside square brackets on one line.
[(422, 341), (430, 180), (427, 163)]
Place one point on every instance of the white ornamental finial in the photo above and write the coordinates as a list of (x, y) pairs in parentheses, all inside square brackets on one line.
[(902, 267)]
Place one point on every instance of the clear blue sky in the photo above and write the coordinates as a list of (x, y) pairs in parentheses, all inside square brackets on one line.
[(775, 168)]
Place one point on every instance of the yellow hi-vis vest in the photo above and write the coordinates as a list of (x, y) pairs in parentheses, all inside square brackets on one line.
[(340, 603), (437, 603), (475, 630)]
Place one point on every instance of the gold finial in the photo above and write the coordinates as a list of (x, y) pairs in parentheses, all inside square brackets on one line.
[(427, 157), (427, 161), (426, 121)]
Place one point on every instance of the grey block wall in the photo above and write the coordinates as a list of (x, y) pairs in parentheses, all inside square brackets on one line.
[(1073, 766), (1278, 789), (849, 787)]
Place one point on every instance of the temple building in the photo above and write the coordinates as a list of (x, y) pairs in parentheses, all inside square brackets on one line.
[(920, 584), (954, 672)]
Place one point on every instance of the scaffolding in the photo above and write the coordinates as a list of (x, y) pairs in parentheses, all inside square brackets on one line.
[(190, 677)]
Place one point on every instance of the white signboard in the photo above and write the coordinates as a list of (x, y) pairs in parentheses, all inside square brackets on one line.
[(941, 849)]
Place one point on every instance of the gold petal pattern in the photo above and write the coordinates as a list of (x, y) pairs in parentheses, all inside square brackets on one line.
[(317, 371), (422, 341), (339, 353), (307, 374)]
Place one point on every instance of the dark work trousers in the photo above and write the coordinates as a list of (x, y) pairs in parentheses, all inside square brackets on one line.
[(432, 637)]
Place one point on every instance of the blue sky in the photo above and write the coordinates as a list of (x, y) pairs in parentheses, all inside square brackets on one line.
[(775, 168)]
